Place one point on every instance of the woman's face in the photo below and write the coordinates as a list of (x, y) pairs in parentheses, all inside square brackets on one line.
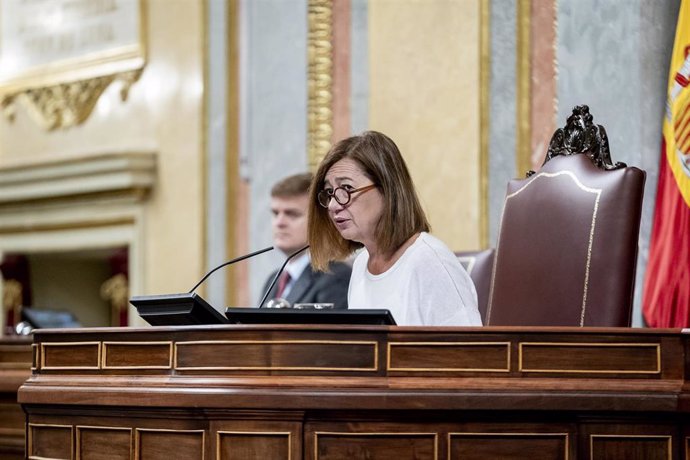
[(356, 220)]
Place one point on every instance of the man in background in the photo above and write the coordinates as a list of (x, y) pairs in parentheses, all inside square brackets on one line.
[(299, 283)]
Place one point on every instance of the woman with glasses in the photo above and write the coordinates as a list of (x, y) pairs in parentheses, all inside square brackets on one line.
[(362, 196)]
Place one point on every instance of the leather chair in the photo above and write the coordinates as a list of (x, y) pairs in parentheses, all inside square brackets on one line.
[(479, 265), (567, 246)]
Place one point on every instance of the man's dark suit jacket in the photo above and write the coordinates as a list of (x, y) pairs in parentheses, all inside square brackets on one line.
[(317, 287)]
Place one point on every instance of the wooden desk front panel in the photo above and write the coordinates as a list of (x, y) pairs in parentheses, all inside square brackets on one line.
[(384, 436), (164, 435), (332, 393)]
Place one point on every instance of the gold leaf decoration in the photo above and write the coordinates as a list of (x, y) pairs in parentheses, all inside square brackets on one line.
[(320, 80), (66, 104), (115, 291), (12, 299)]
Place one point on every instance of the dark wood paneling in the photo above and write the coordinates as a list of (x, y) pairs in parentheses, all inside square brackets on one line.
[(255, 438), (351, 392), (640, 447), (104, 443), (137, 355), (509, 446), (59, 356), (609, 358), (11, 418), (15, 365), (169, 444), (15, 355), (50, 441), (253, 446), (481, 357), (278, 355), (379, 446)]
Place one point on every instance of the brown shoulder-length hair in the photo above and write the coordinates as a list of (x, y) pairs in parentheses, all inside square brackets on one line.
[(402, 216)]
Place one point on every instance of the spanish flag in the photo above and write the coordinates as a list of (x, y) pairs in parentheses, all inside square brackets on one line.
[(666, 297)]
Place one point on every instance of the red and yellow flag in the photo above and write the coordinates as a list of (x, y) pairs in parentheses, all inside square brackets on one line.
[(666, 298)]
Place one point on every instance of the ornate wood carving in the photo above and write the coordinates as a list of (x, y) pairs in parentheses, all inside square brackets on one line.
[(320, 80), (581, 135), (66, 104)]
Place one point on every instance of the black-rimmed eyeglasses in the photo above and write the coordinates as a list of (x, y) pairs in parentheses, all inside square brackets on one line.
[(342, 195)]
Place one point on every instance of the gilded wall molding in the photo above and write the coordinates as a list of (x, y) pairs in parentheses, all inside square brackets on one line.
[(65, 105), (320, 80), (59, 72)]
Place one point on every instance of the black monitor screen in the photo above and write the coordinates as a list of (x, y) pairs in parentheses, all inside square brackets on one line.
[(293, 316), (39, 318)]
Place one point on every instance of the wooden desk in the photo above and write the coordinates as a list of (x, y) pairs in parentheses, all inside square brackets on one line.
[(15, 367), (366, 392)]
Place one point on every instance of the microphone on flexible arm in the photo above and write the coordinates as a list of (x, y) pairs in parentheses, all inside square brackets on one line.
[(275, 278), (184, 309)]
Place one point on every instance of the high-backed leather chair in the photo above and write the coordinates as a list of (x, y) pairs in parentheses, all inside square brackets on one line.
[(479, 265), (567, 246)]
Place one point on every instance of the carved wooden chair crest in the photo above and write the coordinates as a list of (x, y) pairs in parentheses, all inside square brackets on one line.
[(567, 245)]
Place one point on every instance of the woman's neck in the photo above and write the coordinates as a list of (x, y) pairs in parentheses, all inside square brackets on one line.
[(381, 262)]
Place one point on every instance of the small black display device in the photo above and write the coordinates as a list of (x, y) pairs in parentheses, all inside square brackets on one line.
[(176, 310), (296, 316)]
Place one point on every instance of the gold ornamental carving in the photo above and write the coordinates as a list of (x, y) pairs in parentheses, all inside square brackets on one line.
[(59, 56), (115, 291), (66, 104), (320, 79), (12, 299)]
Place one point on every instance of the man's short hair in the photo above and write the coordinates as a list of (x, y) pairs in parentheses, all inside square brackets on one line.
[(295, 185)]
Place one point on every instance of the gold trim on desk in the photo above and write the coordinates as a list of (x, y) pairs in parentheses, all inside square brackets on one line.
[(447, 344), (104, 357), (655, 346), (45, 345), (255, 433), (374, 366)]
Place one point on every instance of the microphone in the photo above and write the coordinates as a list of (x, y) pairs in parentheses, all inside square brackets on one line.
[(275, 278), (230, 262), (183, 309)]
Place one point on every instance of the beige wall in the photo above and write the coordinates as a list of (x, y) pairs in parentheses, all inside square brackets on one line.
[(164, 114), (425, 94)]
